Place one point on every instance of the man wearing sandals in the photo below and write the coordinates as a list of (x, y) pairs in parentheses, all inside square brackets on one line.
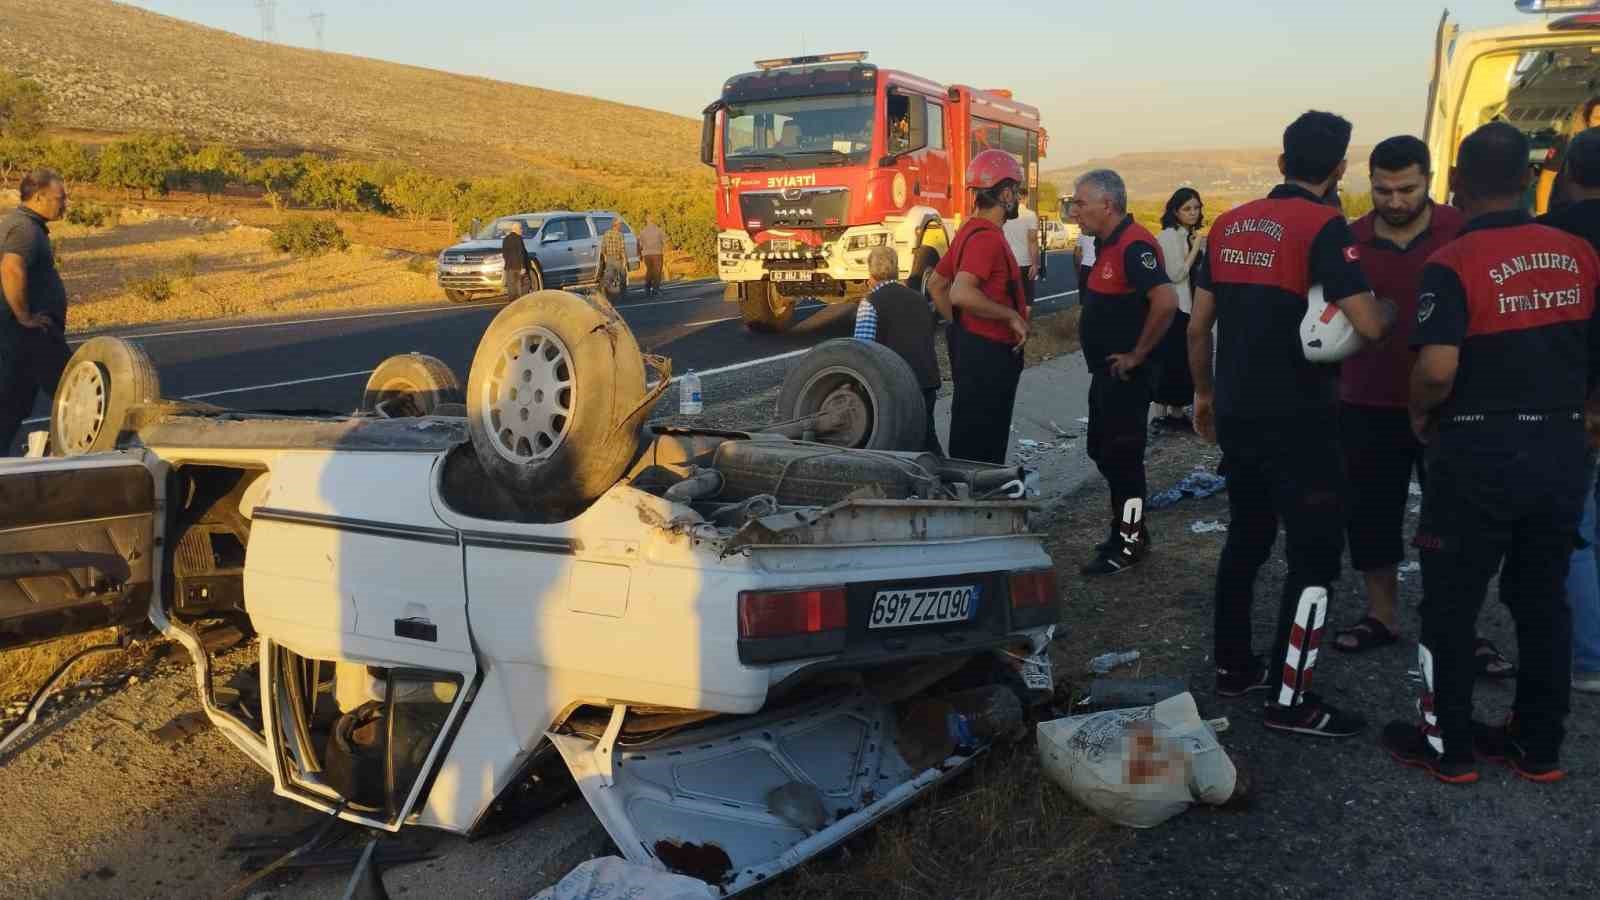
[(1404, 228), (1509, 353)]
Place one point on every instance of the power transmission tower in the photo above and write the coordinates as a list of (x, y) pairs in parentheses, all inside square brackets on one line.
[(269, 14), (316, 19)]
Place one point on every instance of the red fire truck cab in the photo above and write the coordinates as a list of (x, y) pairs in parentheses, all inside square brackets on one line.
[(821, 158)]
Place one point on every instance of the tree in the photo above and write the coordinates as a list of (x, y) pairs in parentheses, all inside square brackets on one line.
[(278, 177), (1048, 203), (18, 156), (214, 167), (71, 160), (419, 195), (145, 163), (22, 107)]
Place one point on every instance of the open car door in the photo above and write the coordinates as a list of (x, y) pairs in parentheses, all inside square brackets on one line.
[(77, 539)]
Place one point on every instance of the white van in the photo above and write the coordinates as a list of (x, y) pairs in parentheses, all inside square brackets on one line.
[(1534, 74)]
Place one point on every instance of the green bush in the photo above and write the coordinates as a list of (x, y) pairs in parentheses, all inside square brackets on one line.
[(22, 106), (155, 288), (18, 156), (71, 160), (307, 236), (215, 166), (147, 163), (93, 215), (188, 266)]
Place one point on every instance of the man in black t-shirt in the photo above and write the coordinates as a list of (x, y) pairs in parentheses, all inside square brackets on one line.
[(1274, 413), (902, 320), (1552, 187), (33, 316), (514, 254)]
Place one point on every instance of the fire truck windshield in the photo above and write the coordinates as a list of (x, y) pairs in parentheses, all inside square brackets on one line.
[(798, 131)]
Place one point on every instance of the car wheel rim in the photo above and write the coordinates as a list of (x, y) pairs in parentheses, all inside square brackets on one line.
[(81, 411), (849, 398), (530, 396)]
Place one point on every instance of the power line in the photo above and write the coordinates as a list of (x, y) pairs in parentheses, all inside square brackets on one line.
[(317, 19), (269, 15)]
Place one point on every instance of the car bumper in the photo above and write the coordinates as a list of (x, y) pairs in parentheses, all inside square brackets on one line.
[(458, 278)]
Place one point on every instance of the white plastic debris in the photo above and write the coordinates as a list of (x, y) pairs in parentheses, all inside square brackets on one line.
[(1140, 767), (1415, 489), (610, 877), (1105, 662), (1207, 526)]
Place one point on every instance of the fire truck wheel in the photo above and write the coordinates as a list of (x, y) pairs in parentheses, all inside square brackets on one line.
[(103, 381), (411, 384), (554, 398), (763, 308), (863, 395)]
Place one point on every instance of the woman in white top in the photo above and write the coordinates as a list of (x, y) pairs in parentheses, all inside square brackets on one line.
[(1181, 246)]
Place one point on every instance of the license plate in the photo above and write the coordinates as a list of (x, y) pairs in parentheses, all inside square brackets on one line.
[(923, 606), (783, 246), (791, 276)]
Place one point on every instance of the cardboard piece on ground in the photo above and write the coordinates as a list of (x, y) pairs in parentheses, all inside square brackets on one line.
[(611, 877), (1139, 767)]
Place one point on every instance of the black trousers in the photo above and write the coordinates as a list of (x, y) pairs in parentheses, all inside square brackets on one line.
[(1119, 428), (930, 440), (1028, 287), (1380, 453), (985, 373), (34, 367), (1510, 507), (1287, 470), (1175, 387)]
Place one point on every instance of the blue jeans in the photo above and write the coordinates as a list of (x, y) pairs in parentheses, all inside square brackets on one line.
[(1583, 589)]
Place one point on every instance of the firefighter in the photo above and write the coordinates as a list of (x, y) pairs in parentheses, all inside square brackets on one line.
[(1274, 412), (1128, 302), (1509, 353), (978, 287)]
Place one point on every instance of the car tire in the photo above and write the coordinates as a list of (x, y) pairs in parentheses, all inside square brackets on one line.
[(874, 388), (102, 383), (457, 296), (554, 396), (763, 308), (410, 385)]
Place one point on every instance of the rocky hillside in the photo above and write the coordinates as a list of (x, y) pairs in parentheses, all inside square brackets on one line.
[(114, 68)]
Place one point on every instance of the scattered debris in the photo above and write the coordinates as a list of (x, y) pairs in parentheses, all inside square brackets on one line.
[(1105, 662), (182, 726), (1122, 693), (1029, 449), (1140, 767), (1062, 433), (1406, 567), (611, 876), (1207, 527), (1415, 489), (1198, 484)]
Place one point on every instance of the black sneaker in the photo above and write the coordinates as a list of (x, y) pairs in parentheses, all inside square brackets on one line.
[(1313, 717), (1501, 744), (1125, 553), (1408, 745), (1237, 683)]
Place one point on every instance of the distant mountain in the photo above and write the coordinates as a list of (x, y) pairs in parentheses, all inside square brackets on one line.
[(1232, 174)]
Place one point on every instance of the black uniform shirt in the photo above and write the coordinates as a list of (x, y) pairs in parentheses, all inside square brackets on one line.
[(1116, 298), (1261, 260), (25, 233), (514, 252)]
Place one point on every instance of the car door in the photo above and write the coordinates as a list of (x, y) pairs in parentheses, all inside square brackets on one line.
[(585, 247), (77, 545), (555, 254)]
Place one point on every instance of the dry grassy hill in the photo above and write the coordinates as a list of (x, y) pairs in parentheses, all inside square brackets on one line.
[(114, 68), (1153, 176)]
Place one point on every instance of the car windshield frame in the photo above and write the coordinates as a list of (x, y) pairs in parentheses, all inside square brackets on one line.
[(493, 232), (832, 128)]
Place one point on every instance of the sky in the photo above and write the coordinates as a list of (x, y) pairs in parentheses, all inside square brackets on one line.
[(1109, 77)]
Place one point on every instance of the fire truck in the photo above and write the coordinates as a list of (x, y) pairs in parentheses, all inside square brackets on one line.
[(821, 158)]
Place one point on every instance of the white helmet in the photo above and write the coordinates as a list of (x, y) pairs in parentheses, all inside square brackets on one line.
[(1326, 335)]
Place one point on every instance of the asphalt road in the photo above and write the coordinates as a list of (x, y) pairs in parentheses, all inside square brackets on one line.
[(322, 362)]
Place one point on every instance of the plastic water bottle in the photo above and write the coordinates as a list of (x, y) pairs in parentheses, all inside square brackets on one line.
[(1105, 662), (689, 402)]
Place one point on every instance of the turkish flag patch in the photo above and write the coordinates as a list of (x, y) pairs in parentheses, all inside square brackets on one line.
[(1352, 253)]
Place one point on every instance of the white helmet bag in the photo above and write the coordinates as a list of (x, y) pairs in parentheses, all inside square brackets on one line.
[(1326, 335)]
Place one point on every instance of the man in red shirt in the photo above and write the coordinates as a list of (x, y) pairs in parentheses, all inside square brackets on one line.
[(978, 287), (1404, 228)]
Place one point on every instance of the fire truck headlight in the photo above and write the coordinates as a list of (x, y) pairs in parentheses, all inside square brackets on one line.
[(863, 241), (731, 245)]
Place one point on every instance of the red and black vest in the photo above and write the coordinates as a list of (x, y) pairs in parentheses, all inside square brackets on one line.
[(1116, 296)]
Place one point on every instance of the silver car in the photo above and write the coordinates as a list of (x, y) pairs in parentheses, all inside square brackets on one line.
[(563, 250)]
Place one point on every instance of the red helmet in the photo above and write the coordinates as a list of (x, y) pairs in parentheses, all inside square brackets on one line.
[(991, 167)]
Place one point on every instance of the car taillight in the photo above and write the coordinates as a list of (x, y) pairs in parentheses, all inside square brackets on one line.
[(1033, 589), (766, 614)]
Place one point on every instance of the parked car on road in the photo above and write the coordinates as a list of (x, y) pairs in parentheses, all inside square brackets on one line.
[(563, 248), (1055, 234), (742, 647)]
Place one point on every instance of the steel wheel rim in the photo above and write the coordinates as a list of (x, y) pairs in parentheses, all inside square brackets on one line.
[(81, 411), (830, 381), (530, 396)]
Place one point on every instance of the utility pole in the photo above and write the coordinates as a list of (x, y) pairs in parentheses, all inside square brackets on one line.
[(269, 14), (317, 19)]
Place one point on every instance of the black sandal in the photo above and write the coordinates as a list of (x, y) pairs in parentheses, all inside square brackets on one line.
[(1491, 662), (1368, 633)]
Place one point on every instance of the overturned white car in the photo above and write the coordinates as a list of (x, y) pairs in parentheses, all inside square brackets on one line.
[(743, 646)]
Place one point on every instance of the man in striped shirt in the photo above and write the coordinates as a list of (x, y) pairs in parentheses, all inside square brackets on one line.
[(901, 319)]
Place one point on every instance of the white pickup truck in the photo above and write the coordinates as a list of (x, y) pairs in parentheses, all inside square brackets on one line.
[(724, 636)]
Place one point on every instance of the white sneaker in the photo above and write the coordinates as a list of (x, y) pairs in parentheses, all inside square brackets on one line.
[(1586, 682)]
